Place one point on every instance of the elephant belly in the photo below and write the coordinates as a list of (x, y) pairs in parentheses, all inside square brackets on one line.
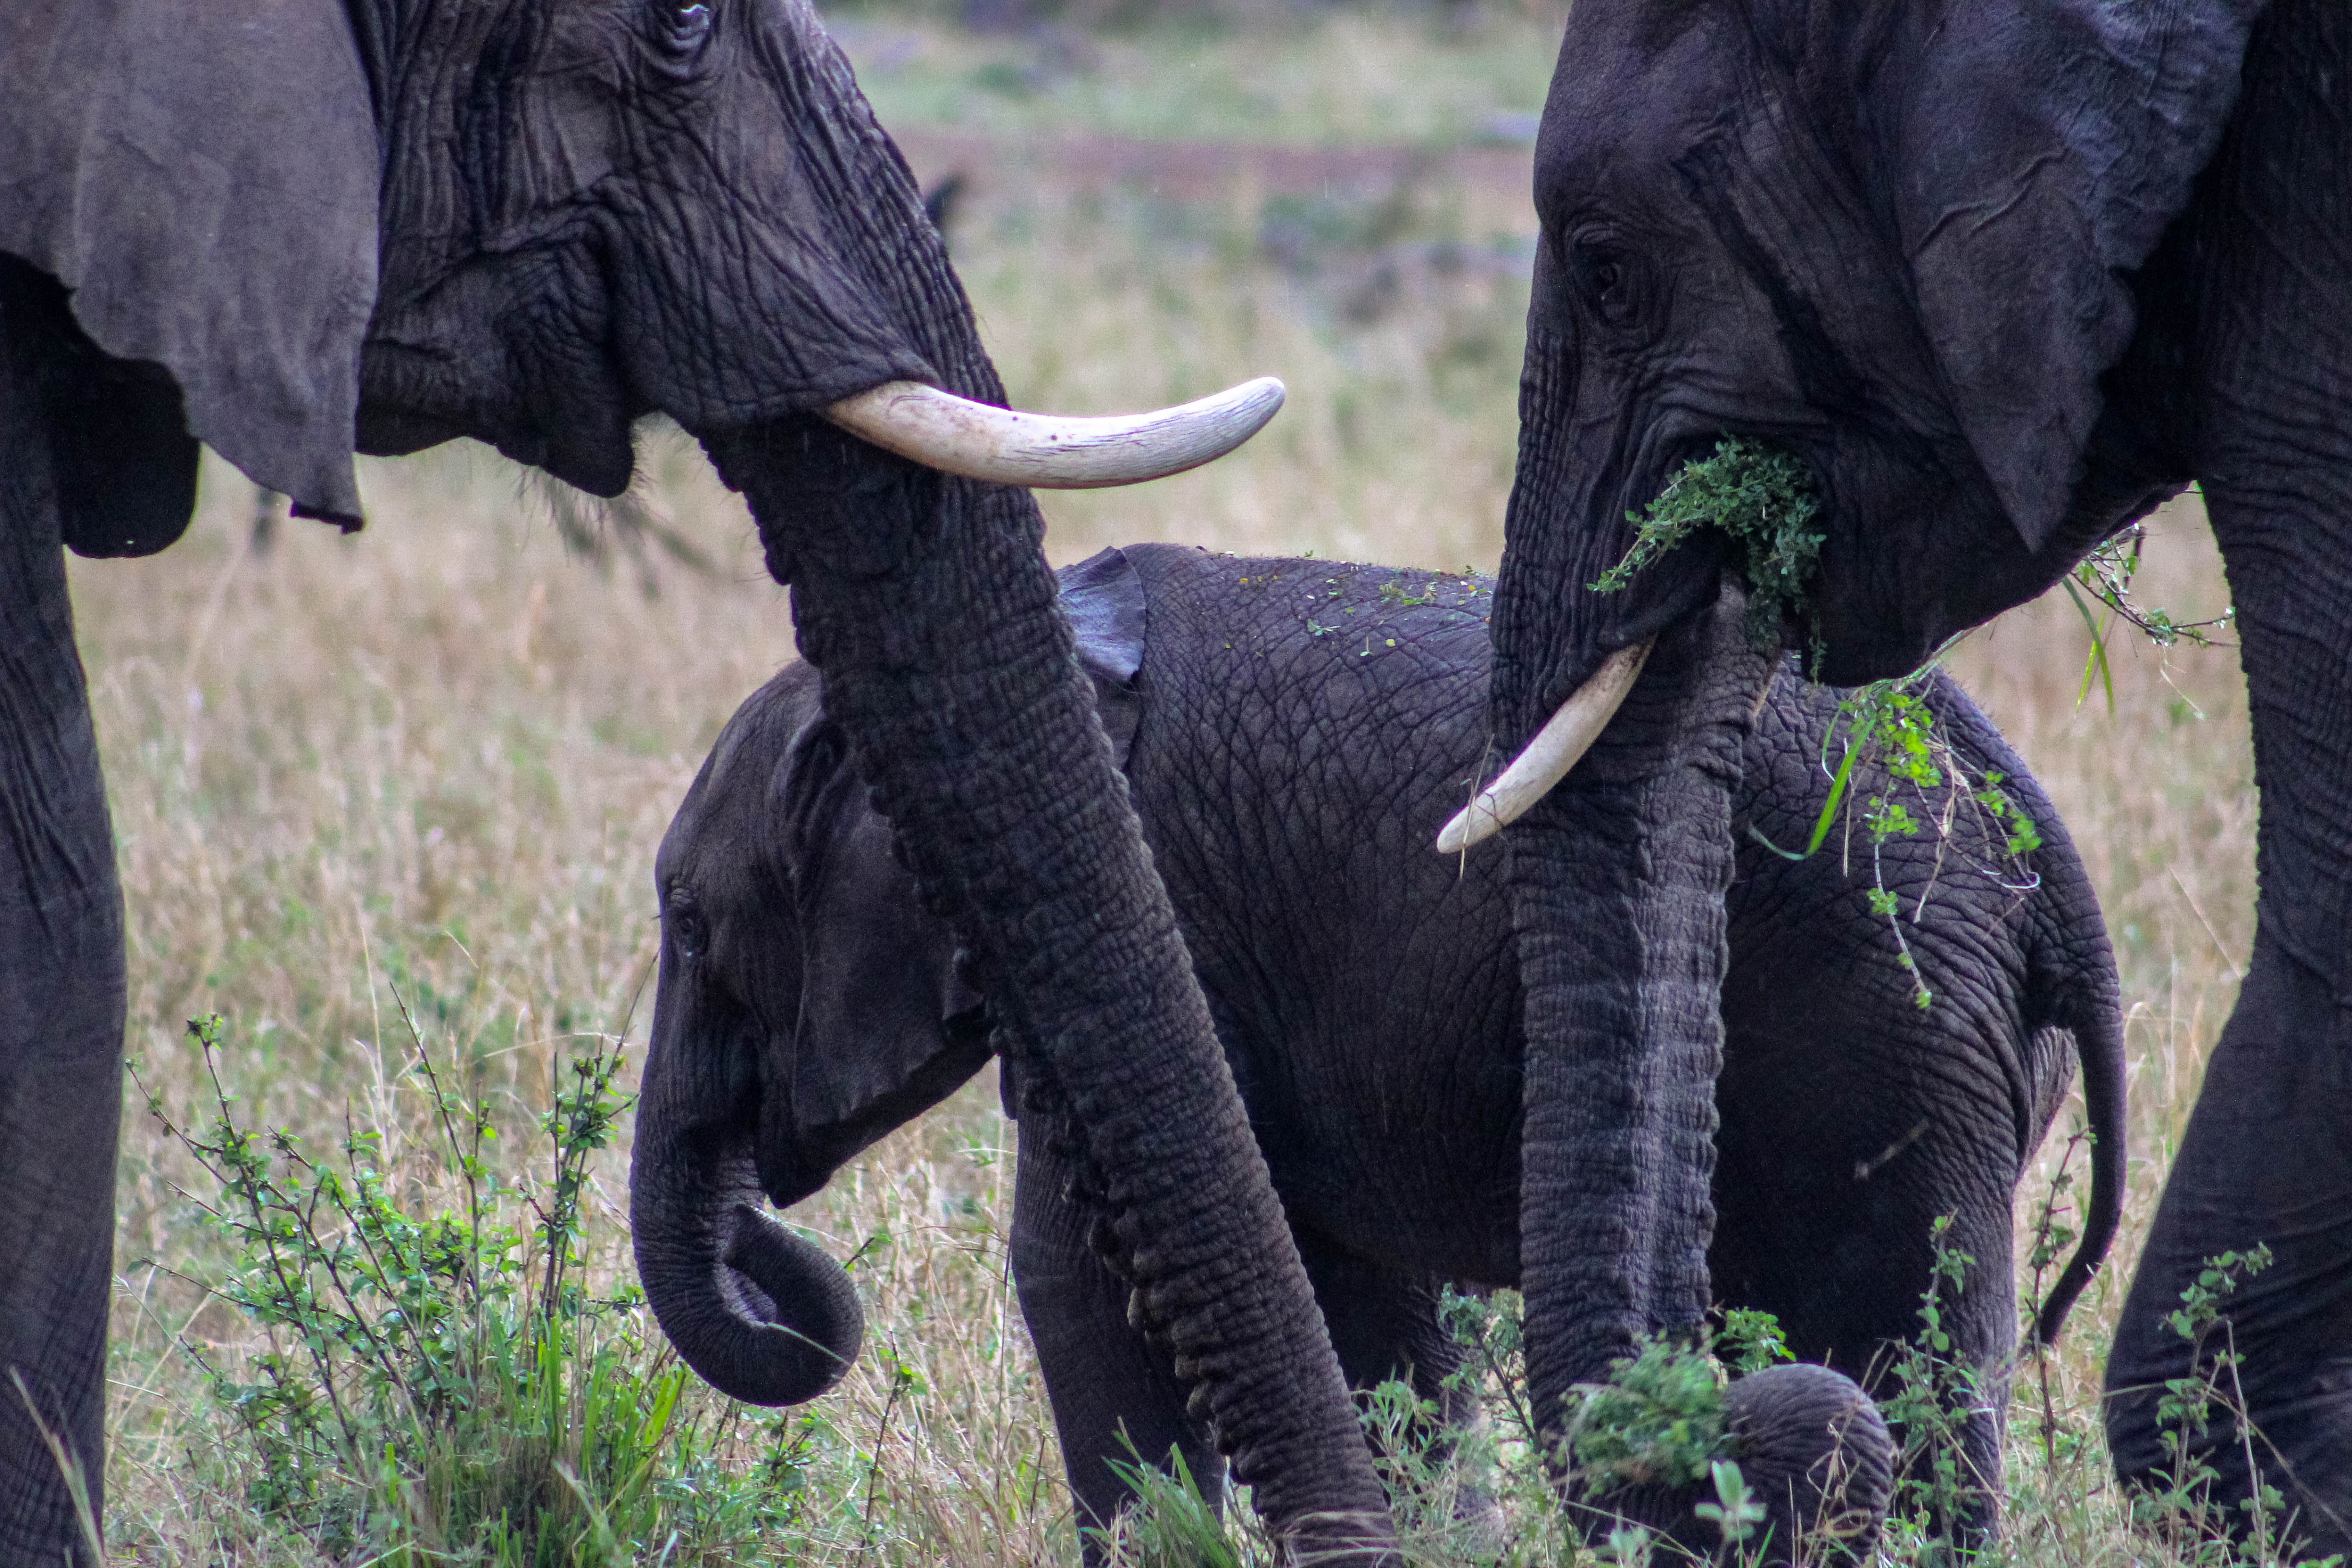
[(1400, 1146)]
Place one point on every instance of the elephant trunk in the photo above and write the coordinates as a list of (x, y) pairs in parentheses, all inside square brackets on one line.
[(1617, 882), (951, 669), (1617, 878), (760, 1314), (924, 601)]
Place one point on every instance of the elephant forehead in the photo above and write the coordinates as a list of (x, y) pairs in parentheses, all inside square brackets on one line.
[(1636, 85)]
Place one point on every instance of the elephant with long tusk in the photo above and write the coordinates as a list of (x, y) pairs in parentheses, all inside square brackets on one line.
[(2003, 275), (295, 229)]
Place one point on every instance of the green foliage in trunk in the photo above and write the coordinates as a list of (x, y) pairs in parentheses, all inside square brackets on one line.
[(1763, 500)]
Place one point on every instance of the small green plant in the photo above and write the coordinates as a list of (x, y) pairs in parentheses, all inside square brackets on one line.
[(1761, 498), (440, 1386), (1659, 1419), (1931, 1395), (2053, 1235), (2181, 1503), (1887, 726), (1751, 1340), (1172, 1524), (1736, 1511)]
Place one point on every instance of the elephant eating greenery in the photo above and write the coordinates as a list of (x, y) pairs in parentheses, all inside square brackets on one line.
[(2002, 275), (295, 229), (1286, 728)]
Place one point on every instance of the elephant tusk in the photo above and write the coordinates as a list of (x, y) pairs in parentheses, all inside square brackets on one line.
[(1043, 451), (1558, 747)]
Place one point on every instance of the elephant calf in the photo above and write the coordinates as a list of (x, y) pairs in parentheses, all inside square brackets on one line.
[(1293, 732)]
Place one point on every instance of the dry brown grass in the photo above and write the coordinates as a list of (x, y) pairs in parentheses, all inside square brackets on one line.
[(435, 761)]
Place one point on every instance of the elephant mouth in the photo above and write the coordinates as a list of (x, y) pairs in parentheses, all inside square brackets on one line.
[(1677, 586)]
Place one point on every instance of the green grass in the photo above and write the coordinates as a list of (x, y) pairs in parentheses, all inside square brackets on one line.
[(1405, 78), (426, 768)]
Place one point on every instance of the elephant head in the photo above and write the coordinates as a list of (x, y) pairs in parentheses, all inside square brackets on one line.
[(313, 225), (804, 1010), (1897, 240), (776, 1054)]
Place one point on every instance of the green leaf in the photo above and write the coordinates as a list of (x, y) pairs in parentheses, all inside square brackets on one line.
[(2097, 662)]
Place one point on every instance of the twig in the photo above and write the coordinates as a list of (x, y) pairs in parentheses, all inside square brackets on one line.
[(2235, 973)]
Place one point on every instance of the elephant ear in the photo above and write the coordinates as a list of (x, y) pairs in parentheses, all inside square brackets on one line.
[(203, 175), (2041, 148), (1103, 595)]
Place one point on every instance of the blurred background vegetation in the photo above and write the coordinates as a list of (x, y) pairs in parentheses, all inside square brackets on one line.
[(394, 799)]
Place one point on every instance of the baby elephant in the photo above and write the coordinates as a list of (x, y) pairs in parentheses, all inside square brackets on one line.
[(1293, 732)]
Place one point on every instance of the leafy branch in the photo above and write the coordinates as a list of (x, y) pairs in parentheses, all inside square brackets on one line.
[(1759, 497), (2106, 575)]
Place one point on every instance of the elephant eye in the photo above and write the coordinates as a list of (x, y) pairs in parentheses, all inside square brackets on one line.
[(687, 927), (1603, 278), (688, 26)]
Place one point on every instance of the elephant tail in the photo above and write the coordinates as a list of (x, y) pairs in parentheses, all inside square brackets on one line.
[(2073, 980), (2094, 1017)]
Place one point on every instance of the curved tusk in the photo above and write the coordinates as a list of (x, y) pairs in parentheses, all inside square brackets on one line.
[(1558, 747), (1041, 451)]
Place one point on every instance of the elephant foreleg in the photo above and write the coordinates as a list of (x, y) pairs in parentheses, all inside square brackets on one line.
[(1387, 1327), (61, 1011), (1114, 1396), (2267, 1157)]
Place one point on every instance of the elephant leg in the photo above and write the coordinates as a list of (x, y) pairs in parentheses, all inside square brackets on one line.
[(61, 1011), (1114, 1396), (2267, 1157), (1384, 1324), (1386, 1327), (2267, 1161), (1828, 1196)]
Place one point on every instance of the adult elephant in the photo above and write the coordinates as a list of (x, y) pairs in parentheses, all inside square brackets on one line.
[(2004, 273), (1284, 726), (292, 227)]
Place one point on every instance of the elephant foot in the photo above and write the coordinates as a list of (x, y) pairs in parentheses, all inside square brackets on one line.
[(1338, 1541), (1813, 1452)]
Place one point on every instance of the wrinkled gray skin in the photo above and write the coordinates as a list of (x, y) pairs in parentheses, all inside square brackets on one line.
[(287, 227), (1367, 1003), (2005, 273)]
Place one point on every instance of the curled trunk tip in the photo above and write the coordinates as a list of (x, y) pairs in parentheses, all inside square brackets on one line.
[(761, 1315)]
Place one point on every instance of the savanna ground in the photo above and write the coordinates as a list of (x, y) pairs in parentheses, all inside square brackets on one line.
[(398, 795)]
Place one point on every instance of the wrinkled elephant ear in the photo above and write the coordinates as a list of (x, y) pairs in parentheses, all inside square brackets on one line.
[(1103, 595), (2041, 150), (204, 177)]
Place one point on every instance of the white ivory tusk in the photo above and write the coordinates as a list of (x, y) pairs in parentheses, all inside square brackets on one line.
[(1041, 452), (1558, 747)]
